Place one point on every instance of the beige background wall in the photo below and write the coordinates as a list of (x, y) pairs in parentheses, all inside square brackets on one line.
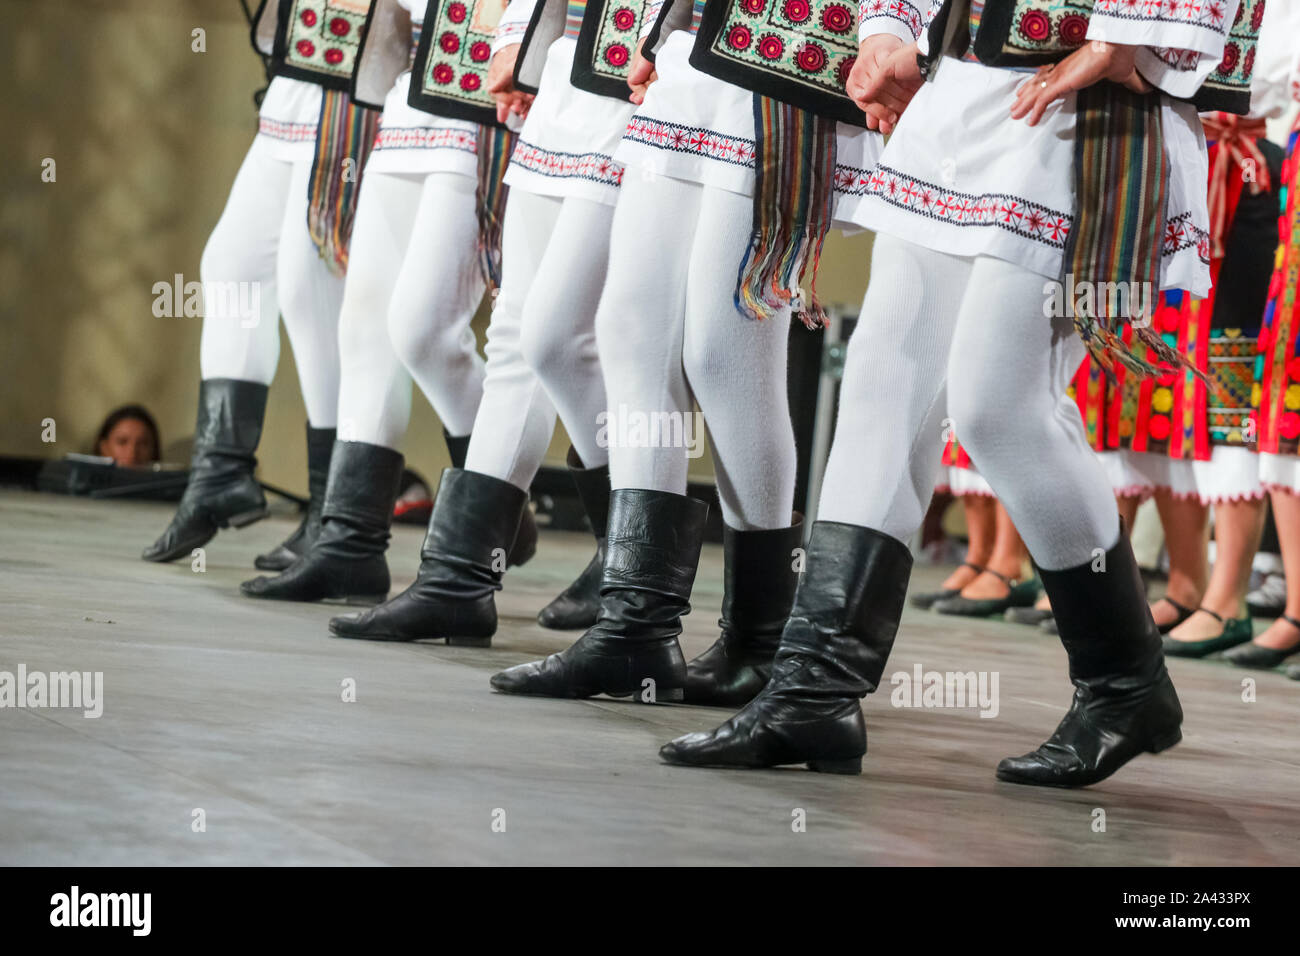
[(146, 136)]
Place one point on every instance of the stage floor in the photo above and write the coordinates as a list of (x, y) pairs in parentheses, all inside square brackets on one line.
[(231, 706)]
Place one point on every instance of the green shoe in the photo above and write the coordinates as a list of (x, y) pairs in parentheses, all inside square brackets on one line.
[(1236, 631), (1019, 594), (1264, 658), (927, 600)]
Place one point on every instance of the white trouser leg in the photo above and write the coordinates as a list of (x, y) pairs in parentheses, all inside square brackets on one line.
[(239, 267), (889, 435), (310, 298), (515, 418), (438, 288), (668, 331), (558, 336), (736, 366), (1009, 369), (374, 403)]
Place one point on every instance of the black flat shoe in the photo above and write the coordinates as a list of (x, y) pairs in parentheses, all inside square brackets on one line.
[(926, 601), (1020, 594), (1031, 616), (1183, 612), (1264, 658), (320, 446)]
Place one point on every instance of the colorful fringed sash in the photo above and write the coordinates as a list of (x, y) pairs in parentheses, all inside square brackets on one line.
[(1121, 182), (794, 183), (494, 148), (343, 142)]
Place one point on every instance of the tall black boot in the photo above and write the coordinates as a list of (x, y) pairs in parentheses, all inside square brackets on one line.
[(832, 654), (578, 604), (1124, 702), (652, 551), (347, 561), (524, 545), (474, 519), (320, 443), (759, 581), (222, 491)]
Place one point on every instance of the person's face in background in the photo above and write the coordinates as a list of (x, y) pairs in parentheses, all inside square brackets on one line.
[(130, 443)]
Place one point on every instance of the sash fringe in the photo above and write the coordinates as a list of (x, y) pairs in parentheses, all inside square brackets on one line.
[(495, 146), (344, 139)]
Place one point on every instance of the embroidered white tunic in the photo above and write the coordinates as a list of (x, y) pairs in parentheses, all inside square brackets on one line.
[(286, 126), (414, 142), (699, 128), (566, 146), (960, 176)]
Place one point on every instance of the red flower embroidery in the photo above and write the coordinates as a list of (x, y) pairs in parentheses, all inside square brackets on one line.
[(771, 47), (340, 27), (812, 58), (309, 17), (1073, 29), (624, 19), (845, 68), (754, 6), (470, 82), (305, 48), (444, 74), (1158, 427), (739, 38), (838, 18), (333, 56), (616, 55), (449, 42), (1035, 25), (1230, 56), (1290, 425), (480, 51), (456, 12), (797, 11)]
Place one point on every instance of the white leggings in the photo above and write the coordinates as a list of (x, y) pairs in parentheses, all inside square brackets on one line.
[(669, 330), (976, 326), (413, 287), (261, 242), (541, 347)]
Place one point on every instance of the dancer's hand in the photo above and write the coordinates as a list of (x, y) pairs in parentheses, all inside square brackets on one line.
[(1092, 63), (884, 79), (501, 84), (641, 75)]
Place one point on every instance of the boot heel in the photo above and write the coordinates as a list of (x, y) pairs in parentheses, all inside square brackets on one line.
[(1166, 741), (246, 518), (852, 765), (673, 695), (469, 641)]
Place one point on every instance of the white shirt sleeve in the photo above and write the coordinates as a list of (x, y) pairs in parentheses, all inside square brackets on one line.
[(513, 24)]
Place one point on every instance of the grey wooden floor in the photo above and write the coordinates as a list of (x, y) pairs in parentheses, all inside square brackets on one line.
[(217, 703)]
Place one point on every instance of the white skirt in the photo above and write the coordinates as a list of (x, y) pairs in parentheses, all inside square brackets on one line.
[(413, 141), (699, 128), (1231, 474), (962, 481), (961, 177), (288, 119), (566, 146), (1280, 472)]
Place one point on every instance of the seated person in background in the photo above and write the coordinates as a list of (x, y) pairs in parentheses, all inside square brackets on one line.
[(129, 436)]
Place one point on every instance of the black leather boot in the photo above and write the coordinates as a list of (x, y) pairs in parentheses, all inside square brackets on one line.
[(320, 443), (759, 581), (1124, 703), (652, 551), (474, 519), (457, 448), (832, 654), (578, 604), (347, 561), (222, 491), (524, 545)]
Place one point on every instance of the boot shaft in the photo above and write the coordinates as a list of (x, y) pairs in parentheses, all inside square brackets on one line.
[(593, 492), (320, 449), (653, 542), (474, 521), (229, 422), (846, 612), (1102, 615), (362, 488), (760, 578)]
